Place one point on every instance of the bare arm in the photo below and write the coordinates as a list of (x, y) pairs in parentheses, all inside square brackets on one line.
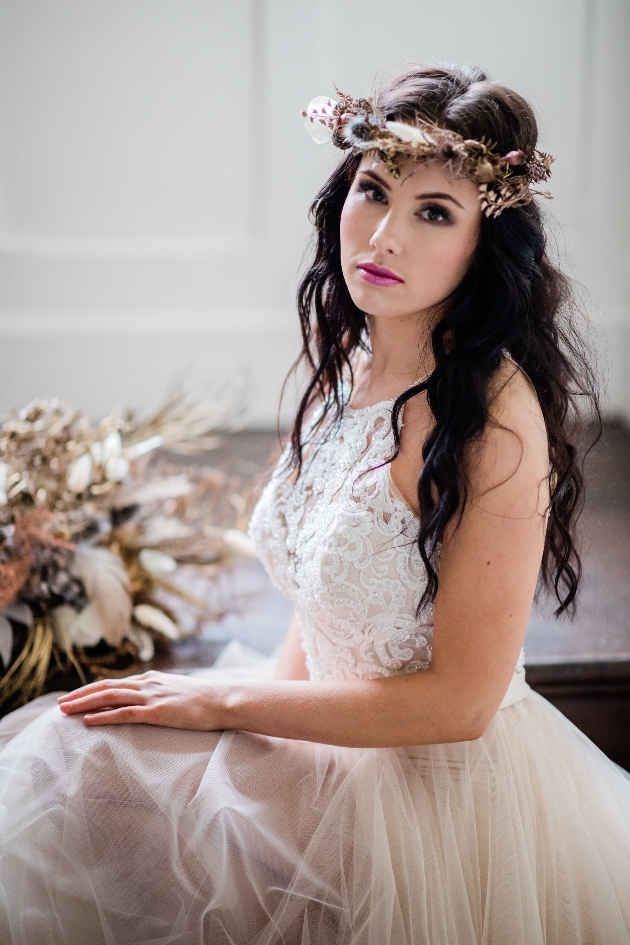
[(488, 574)]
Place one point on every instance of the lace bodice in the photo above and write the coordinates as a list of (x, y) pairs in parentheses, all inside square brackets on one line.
[(341, 544)]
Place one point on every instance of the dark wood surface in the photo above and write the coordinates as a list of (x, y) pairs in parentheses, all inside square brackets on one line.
[(583, 666)]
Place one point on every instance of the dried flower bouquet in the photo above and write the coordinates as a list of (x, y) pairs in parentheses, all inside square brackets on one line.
[(96, 538)]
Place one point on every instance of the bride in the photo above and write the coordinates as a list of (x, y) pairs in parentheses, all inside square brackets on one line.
[(397, 782)]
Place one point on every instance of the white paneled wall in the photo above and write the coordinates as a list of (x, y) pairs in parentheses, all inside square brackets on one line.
[(155, 176), (606, 187)]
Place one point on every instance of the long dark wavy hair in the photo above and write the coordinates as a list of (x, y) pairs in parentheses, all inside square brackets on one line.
[(511, 298)]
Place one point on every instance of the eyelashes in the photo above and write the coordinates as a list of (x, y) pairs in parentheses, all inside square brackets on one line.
[(436, 209), (429, 212), (367, 187)]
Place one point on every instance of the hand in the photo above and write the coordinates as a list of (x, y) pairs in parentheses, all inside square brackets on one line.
[(153, 698)]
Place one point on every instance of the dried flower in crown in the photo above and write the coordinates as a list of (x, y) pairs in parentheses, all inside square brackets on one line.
[(360, 124)]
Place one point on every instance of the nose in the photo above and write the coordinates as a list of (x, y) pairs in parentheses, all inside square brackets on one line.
[(386, 239)]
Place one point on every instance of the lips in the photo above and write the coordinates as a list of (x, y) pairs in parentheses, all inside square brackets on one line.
[(377, 275)]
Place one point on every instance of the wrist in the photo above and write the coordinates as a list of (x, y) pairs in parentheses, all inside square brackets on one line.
[(227, 706)]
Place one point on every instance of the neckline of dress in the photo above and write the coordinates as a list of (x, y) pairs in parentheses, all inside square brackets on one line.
[(379, 403), (390, 400)]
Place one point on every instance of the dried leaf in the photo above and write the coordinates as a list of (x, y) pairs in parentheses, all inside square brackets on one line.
[(143, 641), (107, 585), (19, 613), (157, 562), (239, 541), (156, 619), (167, 487), (6, 641), (85, 628)]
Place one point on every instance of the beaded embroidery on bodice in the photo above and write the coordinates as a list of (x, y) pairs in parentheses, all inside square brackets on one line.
[(341, 544)]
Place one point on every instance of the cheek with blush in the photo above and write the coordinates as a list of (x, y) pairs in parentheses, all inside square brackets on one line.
[(446, 265), (354, 234)]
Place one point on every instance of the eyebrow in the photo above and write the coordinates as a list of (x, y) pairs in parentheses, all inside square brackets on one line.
[(377, 177), (434, 195), (439, 195)]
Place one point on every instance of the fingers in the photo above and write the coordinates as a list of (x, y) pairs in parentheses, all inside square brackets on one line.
[(124, 716), (129, 682), (105, 698)]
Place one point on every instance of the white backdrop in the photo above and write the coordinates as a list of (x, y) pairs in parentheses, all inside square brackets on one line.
[(155, 175)]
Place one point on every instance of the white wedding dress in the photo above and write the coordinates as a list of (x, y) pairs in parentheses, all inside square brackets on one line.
[(137, 834)]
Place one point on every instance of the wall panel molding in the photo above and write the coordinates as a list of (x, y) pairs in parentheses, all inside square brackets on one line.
[(70, 323), (120, 248), (114, 143)]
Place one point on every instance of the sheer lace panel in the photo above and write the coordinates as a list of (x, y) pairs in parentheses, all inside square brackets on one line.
[(341, 544)]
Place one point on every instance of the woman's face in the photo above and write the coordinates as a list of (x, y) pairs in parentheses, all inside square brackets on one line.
[(406, 242)]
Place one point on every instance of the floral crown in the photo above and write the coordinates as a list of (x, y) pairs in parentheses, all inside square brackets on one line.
[(360, 124)]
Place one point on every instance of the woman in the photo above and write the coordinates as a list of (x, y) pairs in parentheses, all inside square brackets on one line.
[(397, 782)]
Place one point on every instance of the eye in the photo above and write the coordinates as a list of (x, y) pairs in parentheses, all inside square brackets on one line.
[(436, 213), (375, 193)]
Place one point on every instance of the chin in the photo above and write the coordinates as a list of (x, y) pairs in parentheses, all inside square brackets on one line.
[(375, 301), (377, 304)]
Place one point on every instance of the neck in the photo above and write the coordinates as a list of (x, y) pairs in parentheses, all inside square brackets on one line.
[(401, 354)]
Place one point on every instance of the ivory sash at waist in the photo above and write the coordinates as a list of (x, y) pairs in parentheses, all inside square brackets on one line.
[(517, 689)]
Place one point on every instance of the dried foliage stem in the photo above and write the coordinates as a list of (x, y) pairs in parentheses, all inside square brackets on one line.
[(26, 677)]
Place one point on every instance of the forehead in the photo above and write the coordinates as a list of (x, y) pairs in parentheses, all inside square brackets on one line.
[(419, 176)]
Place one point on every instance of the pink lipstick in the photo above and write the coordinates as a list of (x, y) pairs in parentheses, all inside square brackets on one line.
[(377, 275)]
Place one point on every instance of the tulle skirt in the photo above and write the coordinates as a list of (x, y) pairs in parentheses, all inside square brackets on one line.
[(137, 834)]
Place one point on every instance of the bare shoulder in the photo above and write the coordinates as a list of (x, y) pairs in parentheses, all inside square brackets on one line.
[(507, 460), (511, 456), (513, 403)]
